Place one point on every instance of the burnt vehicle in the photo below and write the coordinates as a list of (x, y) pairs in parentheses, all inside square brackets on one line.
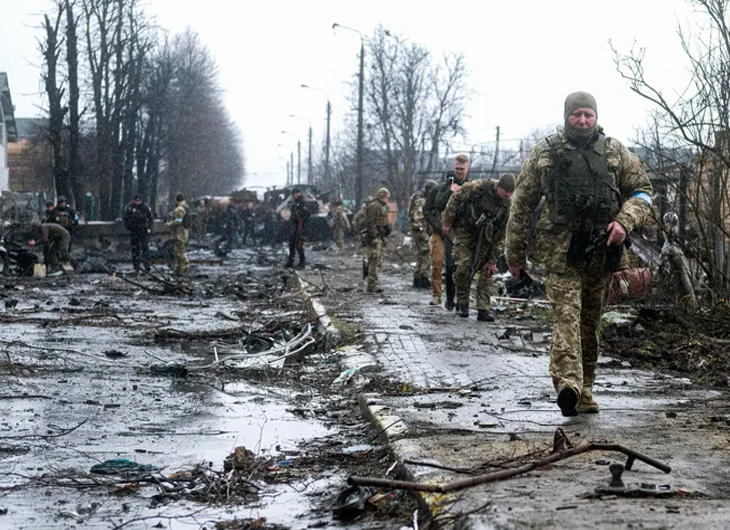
[(15, 256)]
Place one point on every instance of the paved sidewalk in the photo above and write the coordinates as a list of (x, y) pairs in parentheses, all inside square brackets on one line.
[(477, 398)]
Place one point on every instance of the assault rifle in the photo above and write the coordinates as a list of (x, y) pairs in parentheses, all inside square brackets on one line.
[(613, 252)]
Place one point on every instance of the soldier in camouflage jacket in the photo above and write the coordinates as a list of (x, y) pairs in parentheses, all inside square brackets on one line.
[(595, 192)]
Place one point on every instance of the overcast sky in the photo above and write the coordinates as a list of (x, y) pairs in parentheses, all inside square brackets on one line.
[(524, 58)]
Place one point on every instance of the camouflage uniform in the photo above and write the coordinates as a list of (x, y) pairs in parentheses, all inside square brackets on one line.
[(180, 236), (577, 286), (375, 228), (476, 245), (56, 240), (340, 225), (419, 234)]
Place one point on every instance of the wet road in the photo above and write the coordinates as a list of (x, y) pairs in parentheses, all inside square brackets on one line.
[(478, 398)]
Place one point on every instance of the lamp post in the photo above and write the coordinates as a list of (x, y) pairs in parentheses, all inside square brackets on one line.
[(289, 167), (360, 91), (327, 139), (299, 158), (309, 155)]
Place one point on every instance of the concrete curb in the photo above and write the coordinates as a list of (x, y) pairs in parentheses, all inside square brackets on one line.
[(329, 331), (388, 426), (393, 431)]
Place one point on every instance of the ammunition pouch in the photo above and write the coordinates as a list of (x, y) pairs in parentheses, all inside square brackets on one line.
[(384, 231)]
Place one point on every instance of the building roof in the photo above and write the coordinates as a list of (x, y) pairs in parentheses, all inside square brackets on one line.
[(7, 108)]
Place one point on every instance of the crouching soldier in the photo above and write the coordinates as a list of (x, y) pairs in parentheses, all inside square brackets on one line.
[(375, 228), (55, 240)]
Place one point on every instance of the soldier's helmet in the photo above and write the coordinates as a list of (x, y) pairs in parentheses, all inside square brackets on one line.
[(429, 185), (61, 199)]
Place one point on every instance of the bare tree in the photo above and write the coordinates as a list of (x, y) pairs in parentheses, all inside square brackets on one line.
[(413, 105), (696, 120), (51, 49)]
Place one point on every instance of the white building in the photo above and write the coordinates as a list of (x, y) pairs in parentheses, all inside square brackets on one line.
[(8, 130)]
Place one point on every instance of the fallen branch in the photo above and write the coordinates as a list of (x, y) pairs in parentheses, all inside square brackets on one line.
[(62, 432), (508, 473)]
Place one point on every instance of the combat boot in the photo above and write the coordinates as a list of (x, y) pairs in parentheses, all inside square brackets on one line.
[(587, 404), (416, 282), (568, 401), (462, 311), (289, 264), (483, 315), (425, 282)]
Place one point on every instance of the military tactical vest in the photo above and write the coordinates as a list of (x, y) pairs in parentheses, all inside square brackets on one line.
[(582, 193)]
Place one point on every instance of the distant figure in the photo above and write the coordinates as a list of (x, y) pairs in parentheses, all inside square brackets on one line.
[(248, 220), (67, 217), (299, 213), (179, 234), (138, 222), (271, 227), (201, 220), (420, 233), (340, 223), (230, 225), (375, 228)]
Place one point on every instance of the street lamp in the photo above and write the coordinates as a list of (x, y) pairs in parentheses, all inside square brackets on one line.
[(327, 140), (289, 166), (299, 157), (361, 88), (309, 156)]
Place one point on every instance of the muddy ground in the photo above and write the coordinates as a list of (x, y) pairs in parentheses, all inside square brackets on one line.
[(118, 410)]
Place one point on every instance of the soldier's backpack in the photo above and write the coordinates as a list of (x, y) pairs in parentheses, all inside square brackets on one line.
[(186, 221)]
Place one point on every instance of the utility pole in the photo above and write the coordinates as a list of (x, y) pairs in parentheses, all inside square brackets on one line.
[(309, 158), (327, 144), (291, 158), (496, 153), (360, 110), (299, 162)]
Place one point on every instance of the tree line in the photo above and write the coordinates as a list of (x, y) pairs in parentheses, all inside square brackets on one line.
[(133, 110)]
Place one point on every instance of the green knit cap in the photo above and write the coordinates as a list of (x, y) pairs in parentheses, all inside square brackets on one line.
[(579, 100), (507, 182)]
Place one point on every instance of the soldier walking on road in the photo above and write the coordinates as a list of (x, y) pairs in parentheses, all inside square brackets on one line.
[(138, 222), (298, 215), (420, 234), (441, 251), (596, 192), (477, 213), (340, 223), (375, 228), (179, 233)]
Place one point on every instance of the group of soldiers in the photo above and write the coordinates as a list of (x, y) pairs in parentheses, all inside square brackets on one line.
[(577, 197), (458, 230)]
